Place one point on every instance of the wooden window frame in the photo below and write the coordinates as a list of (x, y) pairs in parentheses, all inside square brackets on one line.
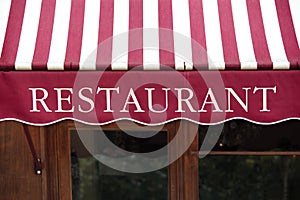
[(182, 173), (244, 153)]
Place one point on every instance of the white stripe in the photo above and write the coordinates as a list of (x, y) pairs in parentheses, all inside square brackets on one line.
[(273, 34), (4, 14), (88, 54), (295, 10), (213, 34), (59, 35), (243, 34), (28, 35), (182, 34), (150, 35), (120, 42)]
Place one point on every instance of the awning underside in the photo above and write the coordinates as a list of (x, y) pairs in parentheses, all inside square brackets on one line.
[(150, 34)]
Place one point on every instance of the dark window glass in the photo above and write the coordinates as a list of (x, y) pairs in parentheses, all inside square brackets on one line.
[(241, 135), (249, 177), (250, 161), (93, 180)]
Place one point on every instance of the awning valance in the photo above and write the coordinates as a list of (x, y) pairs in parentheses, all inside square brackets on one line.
[(152, 34), (150, 97)]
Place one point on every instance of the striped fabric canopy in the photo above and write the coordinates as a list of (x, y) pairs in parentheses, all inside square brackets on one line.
[(151, 34)]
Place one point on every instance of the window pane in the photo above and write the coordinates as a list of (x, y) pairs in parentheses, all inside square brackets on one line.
[(249, 177), (241, 135), (93, 180)]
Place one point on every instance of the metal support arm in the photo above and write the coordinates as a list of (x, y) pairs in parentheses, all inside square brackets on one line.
[(37, 161)]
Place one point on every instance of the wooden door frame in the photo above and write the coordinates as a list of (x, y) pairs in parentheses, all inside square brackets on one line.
[(183, 173)]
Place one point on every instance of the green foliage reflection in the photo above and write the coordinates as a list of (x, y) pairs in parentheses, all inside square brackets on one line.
[(249, 178), (97, 181)]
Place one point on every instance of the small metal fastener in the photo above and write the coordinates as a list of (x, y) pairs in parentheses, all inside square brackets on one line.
[(38, 166), (38, 172)]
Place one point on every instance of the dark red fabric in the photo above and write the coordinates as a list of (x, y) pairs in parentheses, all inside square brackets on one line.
[(12, 35), (135, 40), (258, 35), (16, 99), (104, 51), (75, 35), (199, 49), (44, 35), (288, 33), (231, 56), (166, 38)]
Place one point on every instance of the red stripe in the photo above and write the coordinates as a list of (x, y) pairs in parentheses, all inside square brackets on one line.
[(199, 50), (288, 32), (75, 35), (230, 49), (166, 39), (258, 35), (44, 35), (104, 51), (135, 43), (12, 35)]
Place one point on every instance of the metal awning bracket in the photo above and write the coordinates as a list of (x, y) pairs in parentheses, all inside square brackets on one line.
[(37, 161)]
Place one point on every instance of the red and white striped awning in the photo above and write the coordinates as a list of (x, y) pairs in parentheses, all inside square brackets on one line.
[(121, 34)]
